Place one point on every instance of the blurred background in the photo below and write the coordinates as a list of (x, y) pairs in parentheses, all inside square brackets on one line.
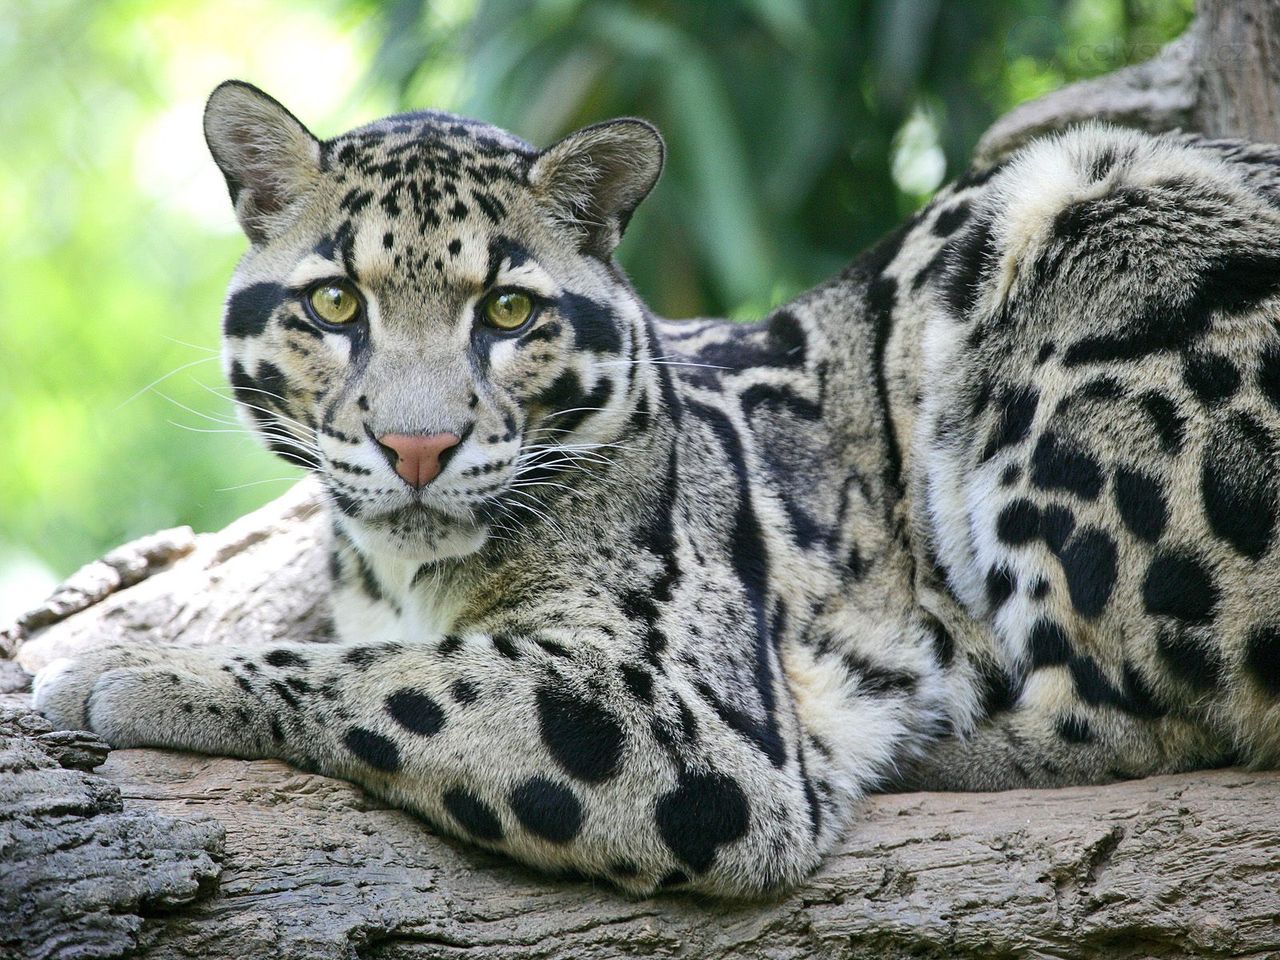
[(799, 131)]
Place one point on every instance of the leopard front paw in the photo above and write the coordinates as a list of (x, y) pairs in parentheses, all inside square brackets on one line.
[(66, 689)]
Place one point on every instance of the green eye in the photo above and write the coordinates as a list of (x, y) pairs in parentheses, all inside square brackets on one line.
[(335, 302), (507, 310)]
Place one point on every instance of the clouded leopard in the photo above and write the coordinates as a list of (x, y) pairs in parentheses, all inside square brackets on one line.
[(657, 601)]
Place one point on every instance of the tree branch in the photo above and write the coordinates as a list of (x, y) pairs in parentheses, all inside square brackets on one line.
[(174, 855)]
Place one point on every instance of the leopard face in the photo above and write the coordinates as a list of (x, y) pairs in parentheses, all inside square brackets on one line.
[(428, 316)]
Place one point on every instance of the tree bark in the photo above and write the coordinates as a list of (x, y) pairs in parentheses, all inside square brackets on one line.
[(163, 854), (1220, 78)]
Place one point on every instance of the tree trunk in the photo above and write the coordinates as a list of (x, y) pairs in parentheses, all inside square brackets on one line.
[(1221, 78), (163, 854)]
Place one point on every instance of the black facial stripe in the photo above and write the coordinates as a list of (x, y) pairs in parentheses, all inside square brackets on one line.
[(301, 326), (249, 310), (595, 326), (503, 249)]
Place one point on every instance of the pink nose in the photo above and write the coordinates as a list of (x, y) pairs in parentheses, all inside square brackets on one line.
[(419, 457)]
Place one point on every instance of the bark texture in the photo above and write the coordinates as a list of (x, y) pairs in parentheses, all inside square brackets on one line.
[(163, 854), (312, 868)]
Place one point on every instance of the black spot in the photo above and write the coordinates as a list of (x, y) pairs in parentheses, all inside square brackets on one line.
[(363, 657), (284, 658), (1137, 696), (1059, 465), (703, 812), (547, 809), (449, 645), (879, 681), (1178, 585), (1089, 562), (972, 254), (1269, 373), (464, 691), (1040, 589), (1238, 484), (1211, 377), (1102, 164), (1092, 684), (777, 399), (1047, 644), (416, 712), (583, 737), (472, 814), (1000, 586), (1187, 658), (1011, 475), (1074, 729), (1099, 388), (1171, 426), (1018, 523), (1262, 657), (944, 645), (951, 219), (786, 341), (373, 748), (1056, 526), (1233, 283), (1141, 503), (550, 646), (639, 682), (284, 693), (1016, 409), (248, 310), (1000, 690), (455, 247), (506, 646)]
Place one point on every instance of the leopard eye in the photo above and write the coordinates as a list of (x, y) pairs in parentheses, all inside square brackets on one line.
[(335, 302), (506, 309)]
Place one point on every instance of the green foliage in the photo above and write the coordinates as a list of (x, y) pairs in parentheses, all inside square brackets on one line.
[(799, 131)]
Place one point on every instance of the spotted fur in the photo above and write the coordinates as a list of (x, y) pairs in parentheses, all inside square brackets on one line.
[(996, 506)]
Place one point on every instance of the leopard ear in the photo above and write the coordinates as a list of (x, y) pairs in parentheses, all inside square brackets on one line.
[(270, 160), (596, 177)]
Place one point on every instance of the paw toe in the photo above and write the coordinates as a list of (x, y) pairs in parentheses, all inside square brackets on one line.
[(60, 693)]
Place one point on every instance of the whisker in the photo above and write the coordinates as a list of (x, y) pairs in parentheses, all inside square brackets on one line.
[(160, 380), (256, 483)]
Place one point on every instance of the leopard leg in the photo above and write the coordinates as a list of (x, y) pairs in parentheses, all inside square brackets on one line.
[(1054, 737), (564, 758)]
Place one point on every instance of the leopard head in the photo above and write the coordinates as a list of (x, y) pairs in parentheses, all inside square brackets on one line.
[(428, 315)]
